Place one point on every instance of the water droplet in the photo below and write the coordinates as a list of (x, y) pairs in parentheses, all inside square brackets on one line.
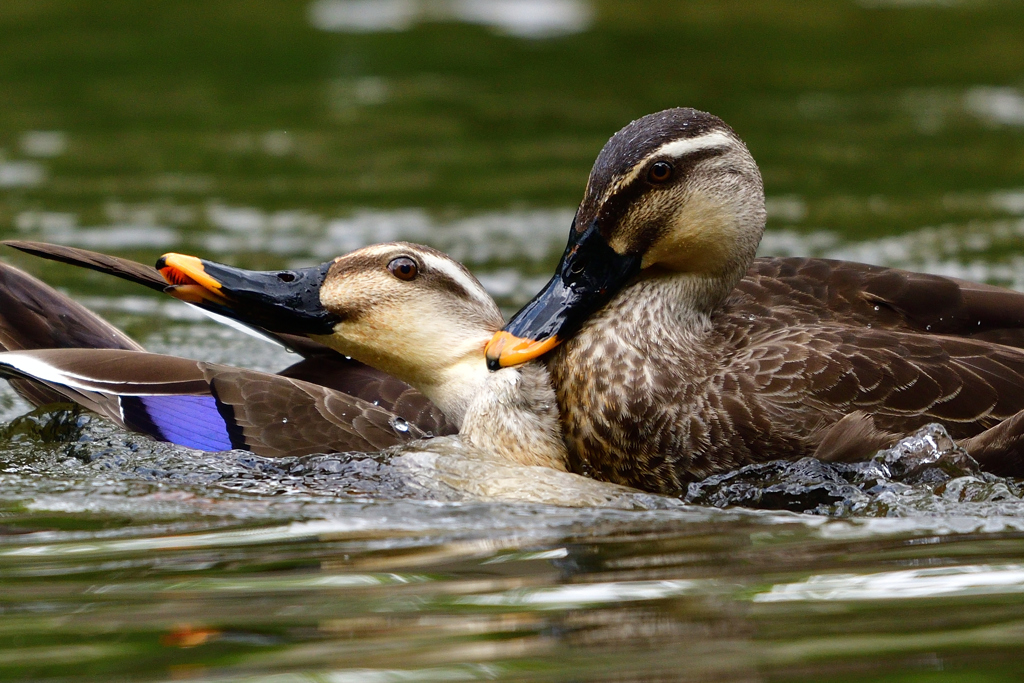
[(878, 308), (927, 327), (399, 424), (284, 420)]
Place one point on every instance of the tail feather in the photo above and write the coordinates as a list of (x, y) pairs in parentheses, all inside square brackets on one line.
[(139, 273), (33, 315), (1000, 449)]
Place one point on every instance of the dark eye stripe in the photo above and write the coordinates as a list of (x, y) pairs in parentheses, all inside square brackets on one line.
[(440, 281), (615, 207)]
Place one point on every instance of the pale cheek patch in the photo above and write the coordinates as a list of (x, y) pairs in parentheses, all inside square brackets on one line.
[(354, 291), (701, 237)]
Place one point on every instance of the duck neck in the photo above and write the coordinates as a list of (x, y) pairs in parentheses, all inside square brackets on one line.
[(454, 388), (515, 417), (448, 371), (684, 301)]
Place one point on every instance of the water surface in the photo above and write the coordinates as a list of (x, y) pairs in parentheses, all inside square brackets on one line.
[(282, 133)]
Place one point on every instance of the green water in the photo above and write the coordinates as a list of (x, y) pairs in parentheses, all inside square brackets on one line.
[(283, 133)]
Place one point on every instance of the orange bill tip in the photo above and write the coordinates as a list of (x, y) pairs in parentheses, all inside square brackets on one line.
[(181, 269), (193, 294), (506, 350)]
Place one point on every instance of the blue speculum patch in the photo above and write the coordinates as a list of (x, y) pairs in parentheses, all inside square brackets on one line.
[(190, 421)]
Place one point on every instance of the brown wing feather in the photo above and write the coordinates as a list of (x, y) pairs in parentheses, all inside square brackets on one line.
[(374, 386), (902, 379), (101, 373), (33, 315), (1000, 449), (281, 416), (861, 294)]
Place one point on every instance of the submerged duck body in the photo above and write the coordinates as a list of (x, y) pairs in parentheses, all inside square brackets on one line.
[(677, 354)]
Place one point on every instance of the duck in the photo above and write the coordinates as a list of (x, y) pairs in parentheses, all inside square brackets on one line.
[(407, 309), (35, 316), (676, 354)]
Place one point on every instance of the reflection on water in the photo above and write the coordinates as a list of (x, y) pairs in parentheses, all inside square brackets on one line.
[(285, 133), (519, 18), (905, 585), (44, 143), (1003, 106), (982, 251), (345, 588), (21, 174), (228, 565)]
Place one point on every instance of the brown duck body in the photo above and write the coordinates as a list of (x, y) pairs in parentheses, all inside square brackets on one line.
[(683, 355), (804, 357)]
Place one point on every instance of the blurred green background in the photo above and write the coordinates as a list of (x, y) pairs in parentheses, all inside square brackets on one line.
[(141, 127)]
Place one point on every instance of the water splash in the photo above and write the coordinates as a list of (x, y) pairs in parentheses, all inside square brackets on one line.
[(923, 474)]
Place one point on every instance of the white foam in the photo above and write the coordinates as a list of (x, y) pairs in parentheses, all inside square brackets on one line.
[(567, 597)]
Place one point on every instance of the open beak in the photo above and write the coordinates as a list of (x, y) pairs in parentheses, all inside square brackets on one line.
[(284, 301), (587, 277)]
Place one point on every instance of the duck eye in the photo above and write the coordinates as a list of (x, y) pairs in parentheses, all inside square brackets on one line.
[(404, 268), (659, 172)]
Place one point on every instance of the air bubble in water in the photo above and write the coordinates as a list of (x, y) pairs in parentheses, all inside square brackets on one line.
[(399, 424)]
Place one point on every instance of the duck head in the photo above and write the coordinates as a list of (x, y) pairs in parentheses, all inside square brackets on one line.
[(406, 309), (673, 194)]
